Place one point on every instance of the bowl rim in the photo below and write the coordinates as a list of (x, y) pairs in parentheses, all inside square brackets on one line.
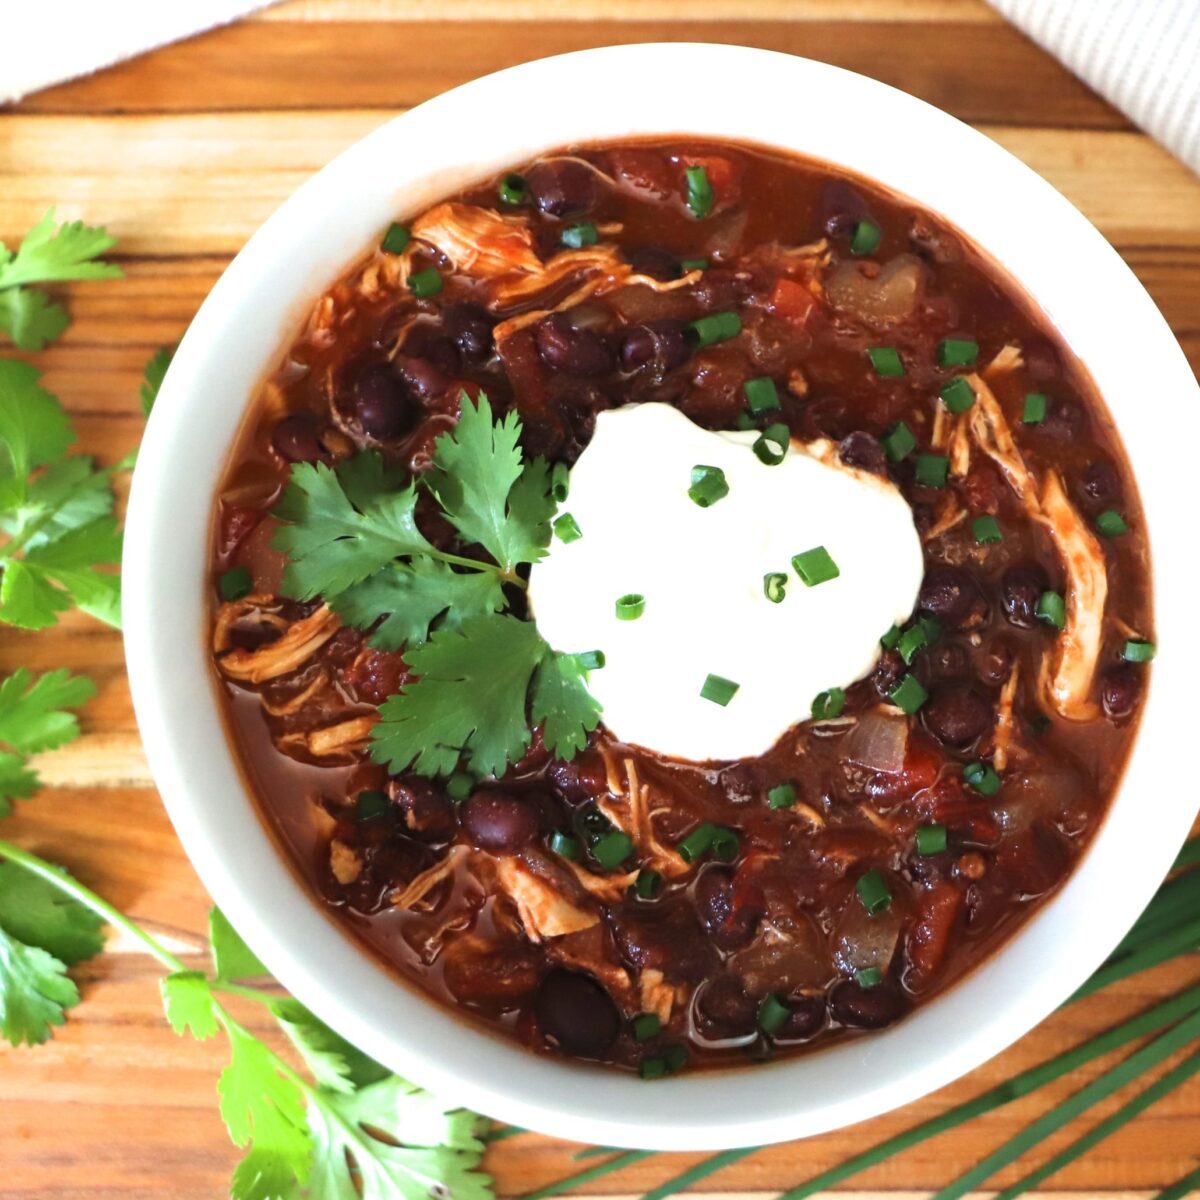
[(253, 311)]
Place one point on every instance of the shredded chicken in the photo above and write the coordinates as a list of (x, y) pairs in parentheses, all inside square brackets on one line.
[(609, 888), (941, 426), (1007, 359), (346, 738), (478, 241), (300, 699), (950, 514), (658, 996), (302, 639), (1003, 736), (810, 813), (797, 384), (344, 862), (543, 911), (640, 827), (423, 884), (989, 427), (959, 450)]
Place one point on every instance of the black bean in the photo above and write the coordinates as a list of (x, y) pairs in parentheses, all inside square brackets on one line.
[(866, 1008), (806, 1019), (575, 1013), (380, 405), (564, 187), (498, 821), (297, 438), (889, 670), (841, 207), (427, 341), (576, 351), (724, 1010), (423, 377), (1065, 420), (470, 327), (730, 925), (956, 714), (951, 595), (666, 939), (584, 777), (660, 345), (861, 450), (1120, 687), (722, 288), (1099, 487), (653, 261), (1020, 589), (427, 810)]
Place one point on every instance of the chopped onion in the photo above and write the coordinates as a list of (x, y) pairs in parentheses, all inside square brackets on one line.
[(879, 742), (891, 295)]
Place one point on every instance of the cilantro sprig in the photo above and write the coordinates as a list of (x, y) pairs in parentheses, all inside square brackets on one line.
[(352, 536)]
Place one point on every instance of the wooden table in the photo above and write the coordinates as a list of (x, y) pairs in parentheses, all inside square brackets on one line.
[(182, 153)]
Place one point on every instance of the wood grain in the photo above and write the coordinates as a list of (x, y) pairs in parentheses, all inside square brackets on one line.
[(183, 153)]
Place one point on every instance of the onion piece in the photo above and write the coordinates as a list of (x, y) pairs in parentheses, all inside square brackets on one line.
[(891, 295), (879, 742)]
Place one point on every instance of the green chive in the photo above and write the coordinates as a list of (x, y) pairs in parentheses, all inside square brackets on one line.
[(775, 586), (645, 1026), (899, 442), (575, 237), (566, 528), (513, 189), (873, 891), (865, 238), (1052, 609), (560, 481), (761, 394), (693, 264), (630, 606), (782, 795), (1111, 523), (773, 1015), (425, 283), (772, 444), (566, 845), (1034, 412), (931, 627), (931, 839), (591, 660), (697, 843), (868, 977), (676, 1057), (908, 695), (699, 192), (886, 362), (716, 327), (652, 1068), (891, 639), (395, 239), (982, 778), (744, 422), (235, 583), (828, 704), (719, 690), (815, 566), (932, 470), (986, 529), (708, 485), (1137, 651), (370, 806), (957, 352), (459, 786), (910, 642), (958, 395), (648, 884), (725, 844), (611, 849)]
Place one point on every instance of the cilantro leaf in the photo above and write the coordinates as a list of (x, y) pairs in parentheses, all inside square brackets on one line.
[(35, 992), (31, 318), (33, 427), (17, 781), (49, 255), (153, 374), (476, 466), (63, 497), (188, 1003), (562, 705), (411, 596), (34, 911), (335, 1064), (470, 697), (330, 543), (232, 958)]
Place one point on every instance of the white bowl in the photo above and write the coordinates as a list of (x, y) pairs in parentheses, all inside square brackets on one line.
[(253, 314)]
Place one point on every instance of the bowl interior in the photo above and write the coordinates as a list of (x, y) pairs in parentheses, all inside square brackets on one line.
[(252, 314)]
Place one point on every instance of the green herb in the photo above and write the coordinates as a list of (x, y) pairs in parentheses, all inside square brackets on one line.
[(1034, 411), (981, 778), (761, 394), (868, 977), (513, 189), (908, 695), (370, 806), (708, 486), (815, 566), (648, 884), (1137, 651), (460, 785), (771, 446), (585, 233), (560, 481), (426, 283), (566, 845), (891, 639), (865, 238), (611, 849), (958, 395), (630, 606), (828, 704), (899, 442), (591, 660), (932, 470), (775, 586), (886, 361), (645, 1026), (1052, 609), (957, 352), (873, 891), (693, 264), (986, 530), (718, 690), (396, 239), (716, 327), (697, 843), (773, 1015), (1111, 523), (153, 374), (235, 583), (652, 1068), (782, 795), (911, 640), (725, 844), (699, 192), (566, 528), (931, 839)]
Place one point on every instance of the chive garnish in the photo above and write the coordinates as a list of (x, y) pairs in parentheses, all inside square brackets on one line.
[(908, 695), (773, 1014), (396, 238), (873, 891), (566, 528), (982, 778), (235, 583), (697, 843), (370, 806), (693, 264), (591, 660), (828, 704), (958, 395), (815, 566), (1111, 523), (716, 327), (648, 884), (865, 238), (772, 444), (782, 795), (1138, 651), (931, 839), (425, 283), (957, 352), (584, 233), (611, 849), (986, 530), (911, 640), (1052, 609), (1034, 412), (565, 844), (899, 442), (699, 192), (775, 586), (708, 485), (932, 470), (868, 977), (560, 481), (513, 189), (645, 1026), (459, 786), (676, 1056), (891, 639), (886, 362), (630, 606), (761, 394), (652, 1068), (719, 690)]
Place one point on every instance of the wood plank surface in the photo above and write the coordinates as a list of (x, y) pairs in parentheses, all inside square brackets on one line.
[(182, 153)]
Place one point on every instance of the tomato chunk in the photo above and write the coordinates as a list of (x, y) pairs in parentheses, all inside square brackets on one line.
[(791, 300), (929, 938)]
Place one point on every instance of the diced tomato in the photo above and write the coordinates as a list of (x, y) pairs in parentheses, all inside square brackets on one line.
[(791, 300), (724, 177), (376, 675), (929, 937), (921, 764)]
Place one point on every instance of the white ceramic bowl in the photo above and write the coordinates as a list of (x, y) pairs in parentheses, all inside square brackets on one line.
[(252, 315)]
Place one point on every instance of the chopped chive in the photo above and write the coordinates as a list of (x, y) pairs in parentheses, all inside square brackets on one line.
[(425, 283), (815, 566), (899, 442), (591, 660), (676, 1056), (1138, 651), (719, 690), (931, 627), (459, 786), (868, 977), (828, 704), (772, 444), (782, 795), (699, 192), (957, 352), (725, 844), (560, 481), (611, 849), (697, 843), (931, 839), (566, 528), (708, 485), (775, 586), (566, 845), (396, 238), (1052, 609), (986, 530), (716, 327), (761, 394), (1111, 523), (652, 1068), (908, 695), (891, 639), (1034, 412), (584, 233), (958, 395), (886, 362), (370, 806), (744, 422), (645, 1026), (911, 640), (630, 606), (694, 264), (513, 189), (873, 891), (648, 884), (982, 778), (773, 1015), (865, 238), (932, 470), (235, 583)]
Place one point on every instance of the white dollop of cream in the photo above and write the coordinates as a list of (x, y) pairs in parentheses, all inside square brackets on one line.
[(701, 572)]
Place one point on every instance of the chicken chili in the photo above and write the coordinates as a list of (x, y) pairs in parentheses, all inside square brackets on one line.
[(680, 603)]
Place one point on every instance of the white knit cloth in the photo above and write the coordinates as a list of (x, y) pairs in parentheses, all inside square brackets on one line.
[(1142, 55)]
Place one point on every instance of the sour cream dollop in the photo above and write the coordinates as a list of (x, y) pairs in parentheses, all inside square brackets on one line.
[(701, 571)]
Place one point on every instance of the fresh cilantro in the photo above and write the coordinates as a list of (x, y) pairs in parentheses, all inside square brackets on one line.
[(35, 992), (37, 912), (188, 1003), (335, 1064), (232, 958), (562, 705), (48, 255), (153, 374)]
